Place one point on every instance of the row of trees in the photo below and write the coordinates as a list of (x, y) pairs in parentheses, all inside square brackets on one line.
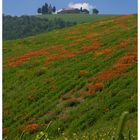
[(46, 9), (49, 9), (24, 26), (94, 11)]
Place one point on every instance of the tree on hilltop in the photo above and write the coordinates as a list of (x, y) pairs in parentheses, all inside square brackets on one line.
[(46, 9), (39, 10), (54, 9), (95, 11), (50, 9), (81, 9)]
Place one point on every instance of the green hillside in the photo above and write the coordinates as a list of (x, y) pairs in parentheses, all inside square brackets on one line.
[(78, 18), (76, 80)]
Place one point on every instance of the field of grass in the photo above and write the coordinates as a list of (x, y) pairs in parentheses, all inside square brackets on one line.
[(77, 80), (78, 18)]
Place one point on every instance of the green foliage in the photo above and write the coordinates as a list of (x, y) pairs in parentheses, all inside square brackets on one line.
[(119, 135), (24, 26), (129, 134)]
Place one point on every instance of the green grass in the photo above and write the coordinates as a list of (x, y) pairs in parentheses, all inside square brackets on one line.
[(80, 78), (78, 18)]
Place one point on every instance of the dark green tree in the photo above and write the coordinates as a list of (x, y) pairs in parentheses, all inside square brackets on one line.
[(81, 9), (50, 10), (54, 9), (45, 9), (39, 10), (95, 11)]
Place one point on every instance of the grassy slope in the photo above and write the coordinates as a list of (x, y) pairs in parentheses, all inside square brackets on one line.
[(78, 18), (80, 78)]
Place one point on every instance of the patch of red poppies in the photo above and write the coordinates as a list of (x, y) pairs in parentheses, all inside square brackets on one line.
[(5, 131), (123, 18), (47, 63), (15, 61), (107, 51), (125, 43), (91, 36), (117, 70), (84, 92), (129, 59), (59, 56), (93, 88), (54, 57), (89, 48), (79, 40), (29, 127)]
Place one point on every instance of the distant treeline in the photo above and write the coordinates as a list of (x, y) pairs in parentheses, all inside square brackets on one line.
[(24, 26)]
